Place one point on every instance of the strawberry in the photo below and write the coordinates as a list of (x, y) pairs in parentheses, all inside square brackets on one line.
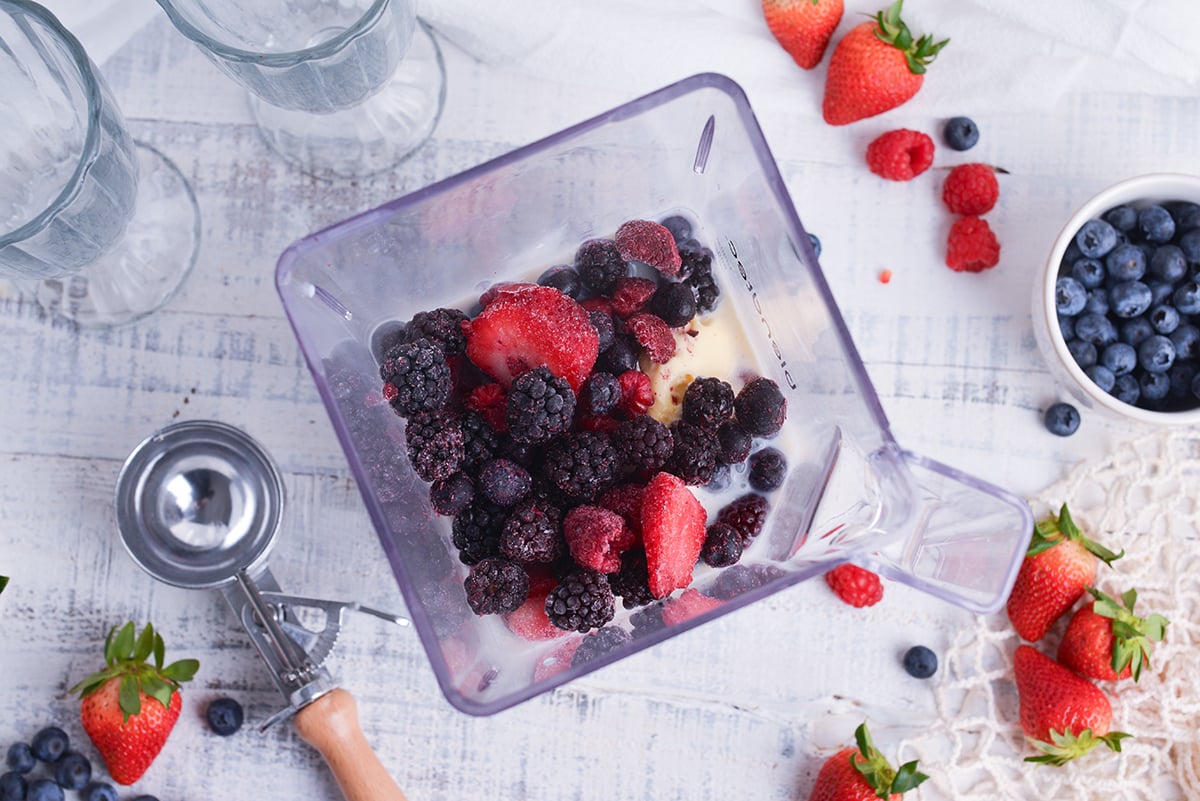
[(875, 67), (862, 774), (1063, 715), (1106, 641), (523, 326), (130, 706), (529, 620), (803, 27), (672, 531), (1058, 568), (691, 603)]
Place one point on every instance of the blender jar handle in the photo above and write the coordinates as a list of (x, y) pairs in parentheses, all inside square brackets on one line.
[(330, 725)]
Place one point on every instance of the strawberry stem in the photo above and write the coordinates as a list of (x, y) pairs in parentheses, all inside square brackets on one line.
[(1067, 746), (1132, 635), (1057, 529), (878, 772), (125, 654), (890, 28)]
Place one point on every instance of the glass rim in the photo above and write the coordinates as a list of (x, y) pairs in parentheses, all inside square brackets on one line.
[(287, 58), (91, 141)]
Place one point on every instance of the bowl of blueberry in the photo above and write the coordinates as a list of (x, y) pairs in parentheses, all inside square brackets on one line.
[(1118, 307)]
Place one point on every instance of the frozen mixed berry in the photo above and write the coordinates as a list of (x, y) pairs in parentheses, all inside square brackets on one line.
[(643, 443), (735, 442), (435, 444), (696, 271), (581, 601), (533, 532), (742, 578), (476, 530), (596, 537), (900, 155), (606, 330), (675, 303), (600, 394), (855, 585), (490, 402), (224, 715), (631, 583), (98, 791), (747, 514), (72, 771), (708, 403), (49, 744), (971, 189), (20, 758), (971, 246), (496, 585), (960, 133), (503, 481), (694, 454), (654, 335), (760, 407), (768, 469), (563, 278), (620, 356), (443, 326), (637, 393), (540, 406), (581, 464), (452, 494), (599, 643), (631, 294), (1062, 419), (722, 545), (416, 377), (599, 265), (920, 662), (679, 226), (649, 242)]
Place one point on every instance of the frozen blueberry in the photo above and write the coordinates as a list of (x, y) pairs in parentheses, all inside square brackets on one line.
[(815, 241), (1186, 339), (606, 329), (1070, 296), (1120, 358), (1136, 330), (1156, 354), (563, 278), (1187, 297), (1095, 328), (1130, 298), (1062, 419), (44, 790), (20, 758), (1126, 262), (679, 226), (1096, 238), (1084, 353), (1088, 272), (1127, 389), (1123, 217), (1168, 263), (1164, 318), (1156, 224), (98, 791), (675, 303), (768, 469), (1154, 386), (224, 716), (72, 771), (960, 133), (1101, 376), (12, 786), (920, 662), (49, 744)]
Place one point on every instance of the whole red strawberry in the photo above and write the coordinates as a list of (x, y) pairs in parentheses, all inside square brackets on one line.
[(1106, 641), (855, 585), (803, 27), (1058, 568), (862, 774), (1064, 715), (875, 67), (130, 706)]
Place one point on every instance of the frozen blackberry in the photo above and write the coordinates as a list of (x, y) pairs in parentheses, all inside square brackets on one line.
[(532, 532), (582, 464), (647, 620), (708, 403), (761, 408), (768, 469), (675, 303), (600, 642), (643, 443), (722, 545), (600, 393), (476, 530), (563, 278), (620, 356), (480, 440), (496, 585), (540, 406), (606, 330), (359, 399), (581, 601), (599, 264), (738, 579), (632, 581), (696, 271), (452, 494), (525, 454), (694, 455), (503, 482), (416, 377), (435, 444), (735, 442), (747, 514), (443, 326), (387, 465)]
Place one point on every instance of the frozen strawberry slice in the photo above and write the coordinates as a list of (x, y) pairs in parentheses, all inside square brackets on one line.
[(687, 606), (673, 532), (596, 537), (529, 620), (525, 326), (649, 242), (653, 334)]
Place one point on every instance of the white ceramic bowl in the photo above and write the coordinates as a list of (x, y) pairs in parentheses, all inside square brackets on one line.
[(1140, 191)]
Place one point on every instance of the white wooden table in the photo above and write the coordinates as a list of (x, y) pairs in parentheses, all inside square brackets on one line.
[(746, 707)]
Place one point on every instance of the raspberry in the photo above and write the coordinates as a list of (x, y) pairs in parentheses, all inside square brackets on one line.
[(632, 581), (625, 500), (596, 538), (496, 585), (630, 295), (582, 601), (649, 242), (417, 377), (600, 642), (971, 246), (694, 456), (490, 401), (761, 408), (747, 514), (637, 394), (643, 443), (540, 406), (722, 545), (435, 444), (532, 532), (653, 334), (708, 402), (599, 265), (900, 155), (443, 326), (855, 585), (582, 464), (971, 189)]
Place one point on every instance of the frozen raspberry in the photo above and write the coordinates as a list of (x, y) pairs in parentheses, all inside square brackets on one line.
[(599, 265), (971, 246), (490, 401), (761, 408), (416, 376), (540, 406), (694, 454), (708, 402), (582, 601), (637, 394), (496, 585), (626, 500), (630, 295), (649, 242), (632, 582), (582, 464), (596, 537), (435, 444), (599, 643), (747, 514), (722, 545), (855, 585), (443, 326), (900, 155), (452, 494), (503, 482), (653, 334), (532, 532), (971, 189)]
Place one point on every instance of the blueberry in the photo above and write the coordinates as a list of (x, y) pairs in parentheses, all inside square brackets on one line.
[(20, 758), (768, 469), (1179, 379), (1066, 326), (1189, 243), (1088, 272), (1136, 330), (1095, 328), (602, 321), (1097, 301), (98, 791), (1160, 292), (618, 357), (1062, 419), (1164, 318), (1122, 217), (1127, 389), (1185, 213), (144, 798), (1096, 238), (1187, 297), (815, 241), (920, 662), (675, 303), (563, 278), (44, 790), (1196, 386), (1168, 263), (1069, 296), (1125, 262), (1120, 358), (1130, 298), (1084, 353), (72, 771), (224, 716), (12, 786), (50, 743), (1156, 224), (1155, 386), (1156, 354), (1101, 376), (1186, 339), (679, 226), (960, 133)]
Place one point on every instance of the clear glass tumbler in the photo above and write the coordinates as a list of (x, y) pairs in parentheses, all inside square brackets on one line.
[(340, 88), (100, 228)]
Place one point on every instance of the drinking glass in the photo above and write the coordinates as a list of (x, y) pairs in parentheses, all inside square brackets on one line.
[(339, 88), (99, 228)]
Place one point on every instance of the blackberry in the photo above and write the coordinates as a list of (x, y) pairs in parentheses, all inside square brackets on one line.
[(632, 581), (540, 406), (563, 278), (416, 377), (600, 642), (532, 532), (581, 601), (747, 514), (582, 464), (443, 326), (708, 403), (525, 454), (435, 444), (599, 264), (503, 482), (696, 271), (739, 579), (647, 620), (620, 356), (606, 329), (643, 443), (385, 336), (694, 456), (761, 407), (452, 494), (735, 442), (386, 464), (480, 440), (600, 393), (768, 469), (496, 585), (359, 400), (675, 303), (722, 545), (476, 531)]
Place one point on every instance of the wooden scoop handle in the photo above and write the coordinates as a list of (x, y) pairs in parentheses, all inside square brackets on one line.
[(330, 725)]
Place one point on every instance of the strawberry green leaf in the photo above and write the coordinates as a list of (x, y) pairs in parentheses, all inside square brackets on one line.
[(159, 690), (907, 777), (160, 650), (144, 645), (1132, 635), (3, 582), (129, 697), (122, 645), (181, 671)]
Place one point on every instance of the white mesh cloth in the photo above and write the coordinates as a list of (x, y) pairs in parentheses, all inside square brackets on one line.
[(1145, 499)]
